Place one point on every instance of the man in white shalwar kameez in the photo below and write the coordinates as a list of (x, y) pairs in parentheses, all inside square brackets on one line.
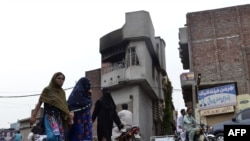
[(126, 118)]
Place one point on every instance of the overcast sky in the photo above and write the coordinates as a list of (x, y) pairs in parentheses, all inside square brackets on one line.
[(40, 37)]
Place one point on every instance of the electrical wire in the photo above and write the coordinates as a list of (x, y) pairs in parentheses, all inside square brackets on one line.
[(64, 89), (30, 94)]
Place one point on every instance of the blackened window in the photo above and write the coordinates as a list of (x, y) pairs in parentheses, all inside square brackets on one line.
[(131, 58)]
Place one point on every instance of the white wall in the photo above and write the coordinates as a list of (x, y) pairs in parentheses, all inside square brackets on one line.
[(142, 108)]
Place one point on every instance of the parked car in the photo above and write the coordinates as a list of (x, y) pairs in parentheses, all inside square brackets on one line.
[(241, 118)]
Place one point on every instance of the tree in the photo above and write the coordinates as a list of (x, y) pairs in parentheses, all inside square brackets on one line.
[(168, 120)]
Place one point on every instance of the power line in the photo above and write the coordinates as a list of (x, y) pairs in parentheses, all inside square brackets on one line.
[(19, 96), (30, 94), (179, 90)]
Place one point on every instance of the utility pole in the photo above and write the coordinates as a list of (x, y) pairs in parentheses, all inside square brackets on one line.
[(195, 94)]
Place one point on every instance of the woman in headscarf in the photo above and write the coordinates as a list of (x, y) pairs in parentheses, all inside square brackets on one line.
[(56, 116), (80, 103), (105, 110)]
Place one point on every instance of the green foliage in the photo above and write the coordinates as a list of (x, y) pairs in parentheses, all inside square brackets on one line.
[(168, 110)]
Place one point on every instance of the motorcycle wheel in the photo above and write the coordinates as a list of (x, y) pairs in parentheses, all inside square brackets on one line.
[(177, 139), (135, 139), (219, 137)]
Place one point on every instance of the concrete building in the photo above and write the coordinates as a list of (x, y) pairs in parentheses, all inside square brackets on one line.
[(214, 47), (132, 61)]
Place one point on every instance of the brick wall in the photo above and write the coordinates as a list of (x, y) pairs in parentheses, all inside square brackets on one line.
[(95, 78), (219, 41)]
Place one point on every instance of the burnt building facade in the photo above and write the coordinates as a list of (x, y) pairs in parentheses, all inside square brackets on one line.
[(132, 60)]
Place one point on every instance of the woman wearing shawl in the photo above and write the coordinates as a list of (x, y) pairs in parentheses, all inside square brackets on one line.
[(105, 110), (56, 115), (80, 103)]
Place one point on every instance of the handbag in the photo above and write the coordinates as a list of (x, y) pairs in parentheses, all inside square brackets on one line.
[(39, 128)]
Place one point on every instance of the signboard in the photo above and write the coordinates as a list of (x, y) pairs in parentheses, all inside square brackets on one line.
[(215, 97), (189, 76), (215, 111), (243, 101)]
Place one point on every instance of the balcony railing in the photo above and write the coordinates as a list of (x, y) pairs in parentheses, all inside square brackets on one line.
[(113, 67)]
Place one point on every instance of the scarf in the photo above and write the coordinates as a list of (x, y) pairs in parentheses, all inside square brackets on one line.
[(80, 97), (107, 99), (55, 95)]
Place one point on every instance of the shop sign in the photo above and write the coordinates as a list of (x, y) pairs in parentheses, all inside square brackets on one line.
[(216, 111), (243, 101), (189, 76), (216, 97)]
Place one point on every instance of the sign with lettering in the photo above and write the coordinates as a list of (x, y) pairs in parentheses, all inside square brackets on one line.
[(215, 97), (189, 76), (243, 101), (215, 111)]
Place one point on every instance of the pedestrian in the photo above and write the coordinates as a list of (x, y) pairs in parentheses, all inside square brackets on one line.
[(18, 136), (56, 116), (180, 129), (105, 112), (80, 103)]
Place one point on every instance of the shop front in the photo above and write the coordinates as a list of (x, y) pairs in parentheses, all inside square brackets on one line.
[(217, 104)]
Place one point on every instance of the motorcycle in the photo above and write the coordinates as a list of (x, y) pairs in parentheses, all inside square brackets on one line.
[(207, 136), (178, 136), (127, 134), (202, 134)]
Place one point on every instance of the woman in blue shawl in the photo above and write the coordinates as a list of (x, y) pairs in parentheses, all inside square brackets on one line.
[(80, 103)]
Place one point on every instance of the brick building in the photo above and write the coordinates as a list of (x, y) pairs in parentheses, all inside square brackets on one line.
[(215, 48)]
